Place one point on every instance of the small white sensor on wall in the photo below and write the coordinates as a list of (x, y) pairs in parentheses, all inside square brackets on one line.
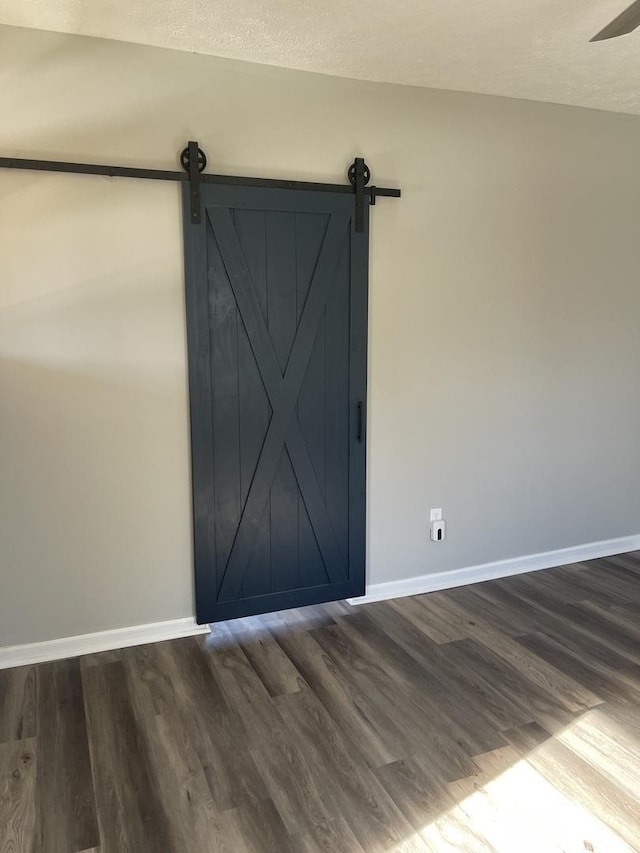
[(438, 531)]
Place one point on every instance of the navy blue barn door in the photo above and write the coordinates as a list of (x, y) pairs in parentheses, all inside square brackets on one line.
[(276, 289)]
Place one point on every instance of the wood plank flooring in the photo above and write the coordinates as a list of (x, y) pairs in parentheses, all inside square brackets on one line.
[(503, 716)]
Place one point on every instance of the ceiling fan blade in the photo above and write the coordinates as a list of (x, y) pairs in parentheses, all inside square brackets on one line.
[(625, 23)]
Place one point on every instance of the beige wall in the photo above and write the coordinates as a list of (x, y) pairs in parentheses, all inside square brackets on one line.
[(505, 351)]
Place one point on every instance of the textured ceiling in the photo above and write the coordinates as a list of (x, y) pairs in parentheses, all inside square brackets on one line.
[(536, 49)]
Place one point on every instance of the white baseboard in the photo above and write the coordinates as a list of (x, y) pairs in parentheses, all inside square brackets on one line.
[(100, 641), (500, 569), (154, 632)]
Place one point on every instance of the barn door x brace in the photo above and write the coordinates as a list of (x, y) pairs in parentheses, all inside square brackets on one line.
[(194, 162)]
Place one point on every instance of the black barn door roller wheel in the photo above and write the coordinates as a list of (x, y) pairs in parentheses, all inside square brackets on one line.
[(185, 160), (194, 161)]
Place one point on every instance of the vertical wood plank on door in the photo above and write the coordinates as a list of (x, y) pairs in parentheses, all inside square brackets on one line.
[(284, 527), (66, 809), (310, 232), (358, 338), (17, 796), (226, 426), (197, 312), (337, 404), (282, 324), (281, 282), (255, 411), (311, 229)]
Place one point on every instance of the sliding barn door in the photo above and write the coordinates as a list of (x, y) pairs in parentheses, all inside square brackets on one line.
[(276, 288)]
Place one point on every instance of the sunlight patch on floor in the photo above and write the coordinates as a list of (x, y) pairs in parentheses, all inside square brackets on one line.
[(604, 744), (519, 809)]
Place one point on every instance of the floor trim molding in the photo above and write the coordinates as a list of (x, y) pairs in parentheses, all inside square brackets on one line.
[(100, 641), (120, 638), (500, 569)]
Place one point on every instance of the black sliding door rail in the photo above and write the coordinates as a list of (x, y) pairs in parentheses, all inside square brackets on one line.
[(358, 175), (166, 175), (91, 169)]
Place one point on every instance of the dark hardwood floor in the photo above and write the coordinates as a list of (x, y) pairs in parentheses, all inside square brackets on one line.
[(503, 716)]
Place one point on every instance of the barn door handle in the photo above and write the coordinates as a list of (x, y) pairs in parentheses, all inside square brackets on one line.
[(360, 422)]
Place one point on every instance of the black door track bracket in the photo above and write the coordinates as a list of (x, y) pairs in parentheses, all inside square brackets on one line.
[(194, 161), (359, 176)]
